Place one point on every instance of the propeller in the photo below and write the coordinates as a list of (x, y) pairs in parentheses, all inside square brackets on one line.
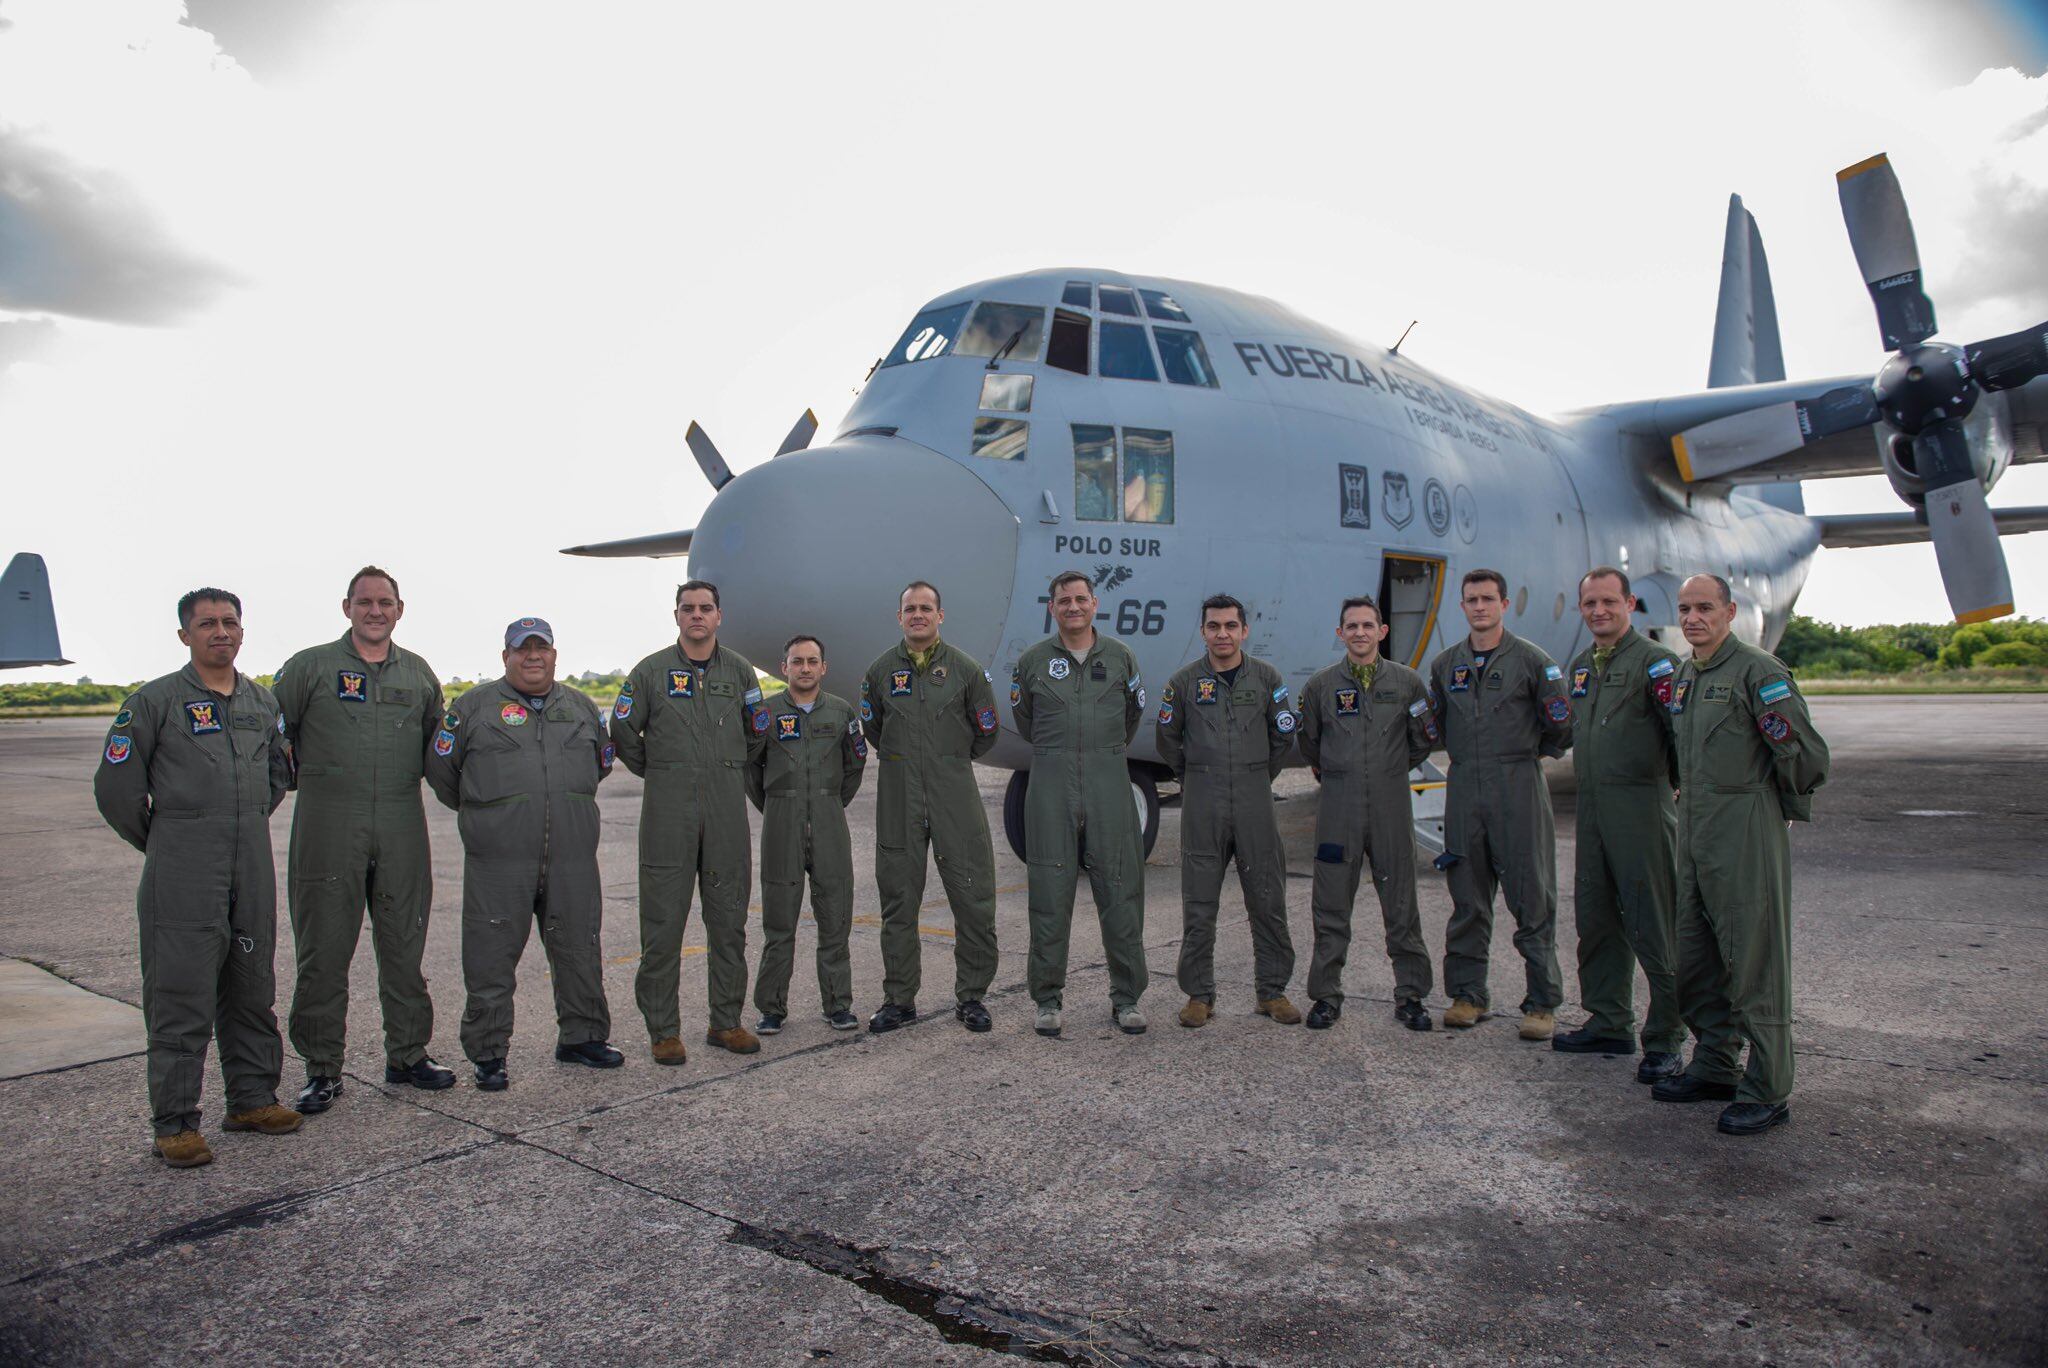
[(1923, 392), (713, 464)]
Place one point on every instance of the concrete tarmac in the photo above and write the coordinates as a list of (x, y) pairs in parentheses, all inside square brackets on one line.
[(1243, 1194)]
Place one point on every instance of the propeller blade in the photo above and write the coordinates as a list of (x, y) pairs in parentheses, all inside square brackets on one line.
[(1881, 232), (1741, 440), (1964, 532), (708, 460), (800, 435), (2010, 361)]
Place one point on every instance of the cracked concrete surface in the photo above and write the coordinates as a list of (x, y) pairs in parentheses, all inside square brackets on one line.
[(1247, 1193)]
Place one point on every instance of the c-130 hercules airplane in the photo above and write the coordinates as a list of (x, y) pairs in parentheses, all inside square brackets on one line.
[(1175, 440)]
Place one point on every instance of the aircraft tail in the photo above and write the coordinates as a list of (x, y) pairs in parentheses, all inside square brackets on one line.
[(28, 618), (1746, 348)]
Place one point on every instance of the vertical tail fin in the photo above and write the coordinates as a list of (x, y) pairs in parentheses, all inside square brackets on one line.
[(28, 619), (1746, 348)]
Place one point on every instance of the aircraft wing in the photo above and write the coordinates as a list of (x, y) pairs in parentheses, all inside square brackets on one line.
[(1892, 529), (28, 618), (1756, 434), (659, 544)]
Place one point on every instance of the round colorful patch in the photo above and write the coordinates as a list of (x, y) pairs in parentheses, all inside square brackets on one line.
[(123, 718), (1283, 722), (1059, 667), (1774, 726), (1558, 709), (513, 714)]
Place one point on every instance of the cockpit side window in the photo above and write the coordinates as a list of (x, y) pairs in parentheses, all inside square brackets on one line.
[(1001, 439), (1012, 331), (1161, 306), (1069, 348), (1126, 355), (1095, 488), (929, 335), (1148, 475), (1184, 358), (1120, 299)]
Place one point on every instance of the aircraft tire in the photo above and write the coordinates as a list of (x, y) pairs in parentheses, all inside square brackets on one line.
[(1144, 793)]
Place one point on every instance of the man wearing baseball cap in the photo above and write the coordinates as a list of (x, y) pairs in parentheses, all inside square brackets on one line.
[(520, 759)]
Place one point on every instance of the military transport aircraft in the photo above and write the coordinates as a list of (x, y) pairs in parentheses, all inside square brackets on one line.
[(1175, 440), (28, 619)]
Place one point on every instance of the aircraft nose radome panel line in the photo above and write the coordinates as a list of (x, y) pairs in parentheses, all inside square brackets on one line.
[(28, 615), (1945, 407)]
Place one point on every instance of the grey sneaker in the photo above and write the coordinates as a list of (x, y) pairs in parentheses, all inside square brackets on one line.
[(1048, 1023), (1129, 1020)]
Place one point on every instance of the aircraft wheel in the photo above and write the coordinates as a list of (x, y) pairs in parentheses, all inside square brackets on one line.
[(1144, 793)]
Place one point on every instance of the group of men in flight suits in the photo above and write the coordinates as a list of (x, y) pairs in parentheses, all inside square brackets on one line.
[(1688, 771)]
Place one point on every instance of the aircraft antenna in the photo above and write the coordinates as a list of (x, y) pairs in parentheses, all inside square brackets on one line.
[(1395, 350)]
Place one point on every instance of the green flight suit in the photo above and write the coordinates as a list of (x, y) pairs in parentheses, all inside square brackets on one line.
[(522, 777), (690, 729), (1748, 762), (928, 727), (801, 782), (1078, 716), (1625, 885), (190, 778), (1498, 723), (358, 734), (1226, 741), (1363, 740)]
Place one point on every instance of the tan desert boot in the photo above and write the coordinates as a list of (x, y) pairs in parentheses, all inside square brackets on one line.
[(1196, 1013), (670, 1050), (186, 1149), (1540, 1024), (1281, 1010), (271, 1120), (738, 1039), (1461, 1014)]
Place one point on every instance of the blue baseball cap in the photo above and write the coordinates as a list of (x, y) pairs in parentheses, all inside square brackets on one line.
[(528, 627)]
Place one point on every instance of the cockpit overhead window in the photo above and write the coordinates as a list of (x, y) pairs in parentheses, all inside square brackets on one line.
[(930, 334), (1148, 475), (1120, 299), (1126, 355), (1001, 439), (1184, 358), (1095, 488), (1078, 293), (1159, 305), (1069, 349), (1010, 331)]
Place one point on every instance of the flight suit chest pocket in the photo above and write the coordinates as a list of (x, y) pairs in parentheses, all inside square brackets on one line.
[(252, 733)]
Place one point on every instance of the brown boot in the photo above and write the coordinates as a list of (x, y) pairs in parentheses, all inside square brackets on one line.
[(1540, 1024), (1461, 1014), (186, 1149), (1281, 1010), (670, 1050), (271, 1120), (1196, 1013), (738, 1039)]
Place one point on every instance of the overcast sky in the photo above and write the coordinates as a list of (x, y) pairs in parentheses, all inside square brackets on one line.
[(289, 287)]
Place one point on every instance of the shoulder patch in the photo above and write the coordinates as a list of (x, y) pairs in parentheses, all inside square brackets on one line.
[(1558, 710), (1283, 722), (123, 718), (119, 748), (752, 695), (985, 720), (1775, 691), (622, 708), (444, 743), (1774, 726), (1418, 708), (1661, 667), (1280, 694), (1552, 672)]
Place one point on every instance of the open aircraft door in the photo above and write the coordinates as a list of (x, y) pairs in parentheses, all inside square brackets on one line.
[(1411, 595)]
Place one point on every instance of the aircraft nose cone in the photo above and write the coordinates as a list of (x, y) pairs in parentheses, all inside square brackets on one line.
[(823, 541)]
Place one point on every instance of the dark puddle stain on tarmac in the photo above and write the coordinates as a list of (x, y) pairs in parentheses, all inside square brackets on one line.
[(973, 1321)]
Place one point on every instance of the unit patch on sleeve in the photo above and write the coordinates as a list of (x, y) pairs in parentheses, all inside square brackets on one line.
[(1558, 710), (123, 718), (119, 748), (351, 687), (623, 708), (1283, 722), (444, 742), (1165, 713), (986, 721), (203, 717), (758, 715), (867, 709), (1774, 725)]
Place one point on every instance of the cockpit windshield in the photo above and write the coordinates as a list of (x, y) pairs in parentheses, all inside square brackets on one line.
[(932, 333)]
